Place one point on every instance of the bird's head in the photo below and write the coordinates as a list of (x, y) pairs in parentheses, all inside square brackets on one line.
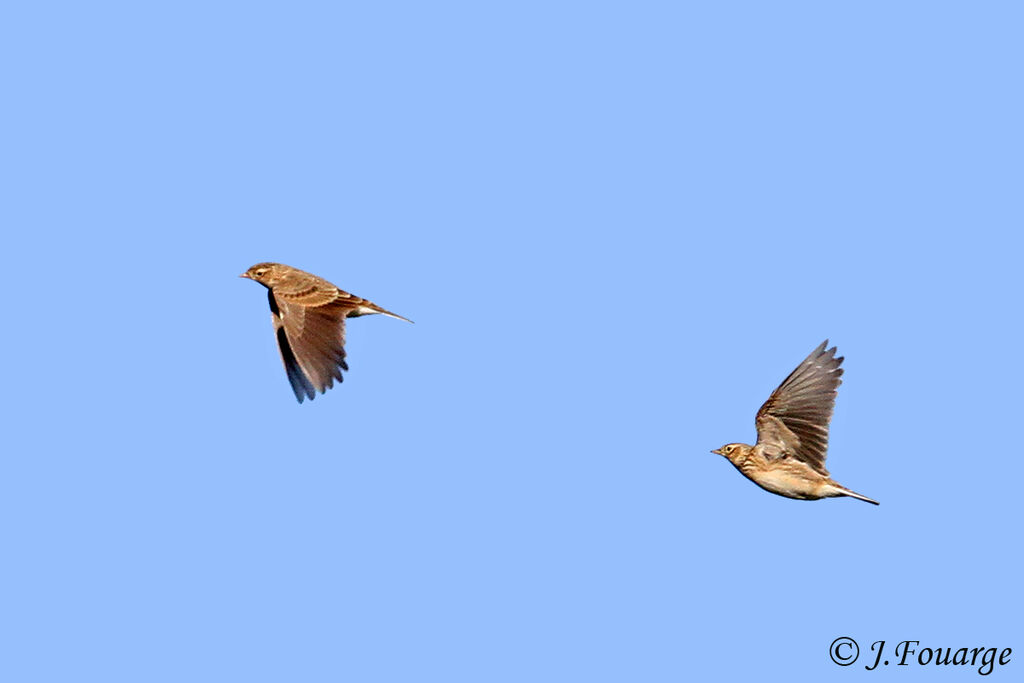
[(265, 273), (732, 451)]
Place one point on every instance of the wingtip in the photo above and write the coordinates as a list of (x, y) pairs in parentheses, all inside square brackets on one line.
[(824, 350)]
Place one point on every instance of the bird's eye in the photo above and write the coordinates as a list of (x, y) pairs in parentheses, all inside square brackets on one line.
[(728, 449), (260, 272)]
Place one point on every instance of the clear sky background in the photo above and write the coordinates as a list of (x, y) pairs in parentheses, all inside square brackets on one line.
[(618, 226)]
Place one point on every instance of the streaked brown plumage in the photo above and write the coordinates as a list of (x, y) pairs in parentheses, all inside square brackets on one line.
[(792, 433), (309, 314)]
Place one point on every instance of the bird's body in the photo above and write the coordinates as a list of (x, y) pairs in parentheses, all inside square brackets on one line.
[(309, 315), (792, 434), (785, 476)]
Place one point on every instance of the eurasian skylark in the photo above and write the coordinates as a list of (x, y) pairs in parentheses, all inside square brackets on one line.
[(792, 434), (309, 314)]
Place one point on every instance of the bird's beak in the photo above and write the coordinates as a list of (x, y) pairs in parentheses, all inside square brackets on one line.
[(245, 275), (717, 451)]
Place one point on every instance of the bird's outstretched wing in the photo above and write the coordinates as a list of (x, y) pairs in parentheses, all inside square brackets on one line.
[(794, 421), (309, 323)]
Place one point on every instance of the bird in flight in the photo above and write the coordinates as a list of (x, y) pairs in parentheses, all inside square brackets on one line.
[(309, 314), (792, 434)]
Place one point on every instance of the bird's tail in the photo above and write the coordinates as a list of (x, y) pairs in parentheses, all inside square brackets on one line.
[(368, 308), (393, 315), (853, 494)]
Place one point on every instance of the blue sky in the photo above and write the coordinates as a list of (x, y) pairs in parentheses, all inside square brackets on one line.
[(618, 226)]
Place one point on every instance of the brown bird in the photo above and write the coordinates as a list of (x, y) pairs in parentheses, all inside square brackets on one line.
[(309, 314), (792, 434)]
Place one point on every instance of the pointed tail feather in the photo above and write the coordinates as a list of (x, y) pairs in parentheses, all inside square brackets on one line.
[(394, 315), (854, 494), (369, 308)]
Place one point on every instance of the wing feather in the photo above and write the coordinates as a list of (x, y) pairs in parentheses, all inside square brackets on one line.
[(794, 421), (311, 337)]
